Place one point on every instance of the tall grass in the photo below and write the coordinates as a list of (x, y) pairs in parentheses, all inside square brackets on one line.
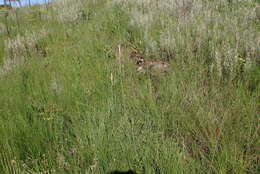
[(72, 103)]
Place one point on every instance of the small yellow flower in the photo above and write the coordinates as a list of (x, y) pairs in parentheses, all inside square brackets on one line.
[(242, 60), (13, 162), (48, 118)]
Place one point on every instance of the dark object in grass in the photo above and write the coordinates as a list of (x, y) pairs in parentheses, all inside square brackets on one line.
[(152, 66), (158, 66), (127, 172)]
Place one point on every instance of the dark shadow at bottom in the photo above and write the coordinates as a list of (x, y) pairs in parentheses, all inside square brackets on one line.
[(120, 172)]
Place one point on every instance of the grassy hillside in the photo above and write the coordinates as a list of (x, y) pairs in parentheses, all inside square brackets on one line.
[(71, 100)]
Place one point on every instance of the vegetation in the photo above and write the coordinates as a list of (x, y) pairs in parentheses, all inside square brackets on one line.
[(72, 100)]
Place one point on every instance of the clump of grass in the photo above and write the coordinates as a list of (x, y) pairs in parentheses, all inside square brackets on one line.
[(19, 49), (69, 11), (2, 29)]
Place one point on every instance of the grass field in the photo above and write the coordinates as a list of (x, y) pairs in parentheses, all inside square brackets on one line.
[(71, 102)]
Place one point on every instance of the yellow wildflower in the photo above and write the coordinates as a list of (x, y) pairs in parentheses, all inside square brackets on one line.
[(13, 162), (242, 60), (48, 118)]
